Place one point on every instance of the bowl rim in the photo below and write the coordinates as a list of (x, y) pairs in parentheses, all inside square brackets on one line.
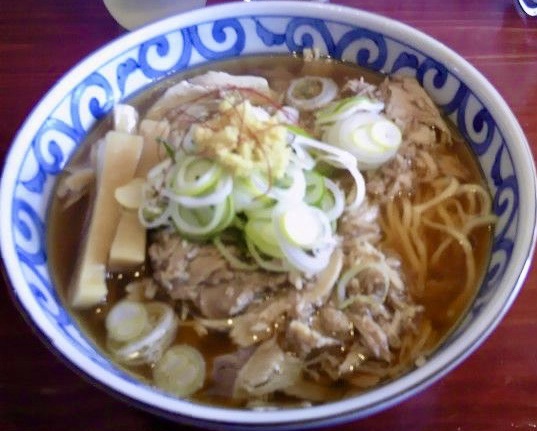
[(380, 398)]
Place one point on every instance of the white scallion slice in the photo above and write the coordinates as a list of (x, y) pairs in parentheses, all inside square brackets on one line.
[(261, 233), (309, 262), (315, 235), (311, 92), (386, 134), (334, 205), (158, 172), (302, 225), (126, 321), (260, 213), (371, 138), (152, 216), (338, 158), (202, 222), (315, 188), (342, 109), (359, 182), (270, 264), (180, 371), (195, 175), (295, 190), (233, 260), (156, 337), (221, 191), (247, 196)]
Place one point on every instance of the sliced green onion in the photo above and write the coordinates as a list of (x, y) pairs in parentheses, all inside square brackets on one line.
[(359, 182), (202, 222), (248, 196), (334, 203), (151, 343), (233, 260), (371, 138), (311, 92), (260, 232), (264, 212), (221, 191), (295, 191), (308, 261), (126, 321), (338, 158), (195, 175), (309, 247), (293, 128), (152, 215), (342, 109), (270, 264), (180, 371), (386, 134), (315, 188), (157, 173), (170, 151), (302, 225), (287, 223)]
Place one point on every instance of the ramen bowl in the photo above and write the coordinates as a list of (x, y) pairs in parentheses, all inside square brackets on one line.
[(62, 119)]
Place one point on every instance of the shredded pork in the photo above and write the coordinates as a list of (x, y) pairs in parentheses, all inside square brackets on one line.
[(308, 322), (200, 274), (422, 125)]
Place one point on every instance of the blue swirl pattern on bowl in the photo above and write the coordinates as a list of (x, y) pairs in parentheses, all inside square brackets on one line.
[(135, 68)]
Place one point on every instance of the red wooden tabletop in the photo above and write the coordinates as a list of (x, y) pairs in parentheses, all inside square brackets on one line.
[(494, 389)]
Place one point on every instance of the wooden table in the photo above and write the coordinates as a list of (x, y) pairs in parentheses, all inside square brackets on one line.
[(495, 389)]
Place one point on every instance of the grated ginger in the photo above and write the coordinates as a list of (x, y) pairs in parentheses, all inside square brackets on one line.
[(244, 138)]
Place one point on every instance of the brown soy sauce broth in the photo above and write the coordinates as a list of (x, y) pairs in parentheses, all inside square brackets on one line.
[(66, 227)]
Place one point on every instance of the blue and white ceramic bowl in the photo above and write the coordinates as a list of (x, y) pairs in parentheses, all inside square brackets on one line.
[(59, 123)]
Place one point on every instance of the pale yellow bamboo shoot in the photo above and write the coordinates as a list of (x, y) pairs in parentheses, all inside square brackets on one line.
[(118, 160), (128, 247)]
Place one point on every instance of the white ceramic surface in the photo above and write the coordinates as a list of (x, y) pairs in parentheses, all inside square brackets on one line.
[(58, 124)]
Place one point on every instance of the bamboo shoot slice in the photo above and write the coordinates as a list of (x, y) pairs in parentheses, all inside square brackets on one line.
[(128, 247), (130, 195), (125, 119), (118, 160)]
